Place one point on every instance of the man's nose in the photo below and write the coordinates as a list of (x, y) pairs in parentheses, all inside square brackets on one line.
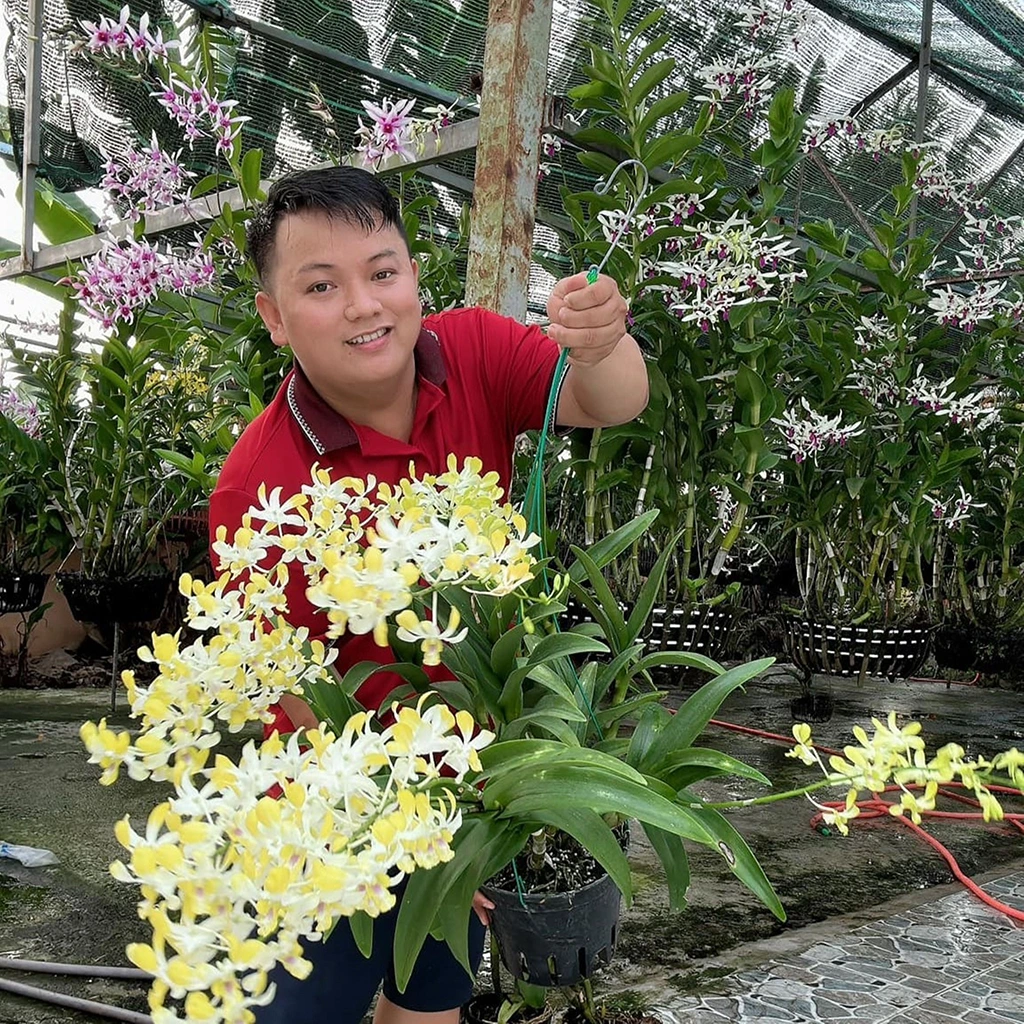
[(362, 303)]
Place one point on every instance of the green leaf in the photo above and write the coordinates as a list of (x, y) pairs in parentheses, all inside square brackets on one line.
[(601, 138), (874, 260), (62, 218), (666, 149), (698, 709), (562, 785), (649, 724), (895, 453), (749, 385), (362, 931), (739, 857), (426, 892), (648, 21), (648, 594), (704, 757), (610, 715), (508, 754), (781, 116), (672, 855), (684, 659), (614, 544), (651, 78), (503, 653), (664, 107), (608, 602), (331, 703)]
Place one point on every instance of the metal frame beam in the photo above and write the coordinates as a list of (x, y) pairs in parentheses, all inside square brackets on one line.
[(923, 78), (886, 87), (30, 151), (512, 112), (460, 137), (230, 19)]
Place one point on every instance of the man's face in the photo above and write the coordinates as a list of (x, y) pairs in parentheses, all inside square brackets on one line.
[(345, 300)]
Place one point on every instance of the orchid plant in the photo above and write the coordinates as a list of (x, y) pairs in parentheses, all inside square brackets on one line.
[(707, 275), (440, 568), (886, 432)]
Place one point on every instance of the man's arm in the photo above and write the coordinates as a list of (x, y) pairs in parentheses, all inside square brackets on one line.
[(607, 378)]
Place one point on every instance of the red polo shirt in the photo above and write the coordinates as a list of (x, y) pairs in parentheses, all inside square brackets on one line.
[(483, 379)]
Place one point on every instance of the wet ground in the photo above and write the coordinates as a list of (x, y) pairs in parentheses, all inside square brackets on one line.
[(829, 884)]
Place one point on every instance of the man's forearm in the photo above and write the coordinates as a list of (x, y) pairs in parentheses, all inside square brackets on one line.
[(612, 391)]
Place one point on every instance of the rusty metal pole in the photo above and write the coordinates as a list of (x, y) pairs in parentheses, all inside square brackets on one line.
[(508, 155)]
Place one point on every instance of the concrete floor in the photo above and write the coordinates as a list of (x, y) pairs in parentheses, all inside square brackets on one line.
[(724, 957)]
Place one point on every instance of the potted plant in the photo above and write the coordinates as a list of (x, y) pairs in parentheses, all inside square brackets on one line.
[(446, 574), (32, 537), (884, 428)]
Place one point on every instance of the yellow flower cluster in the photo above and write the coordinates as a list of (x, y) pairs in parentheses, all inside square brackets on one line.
[(365, 550), (227, 680), (896, 756), (233, 881)]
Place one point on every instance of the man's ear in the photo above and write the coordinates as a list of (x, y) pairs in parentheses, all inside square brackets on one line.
[(271, 316)]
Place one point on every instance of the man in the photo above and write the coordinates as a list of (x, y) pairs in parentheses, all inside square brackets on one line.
[(374, 387)]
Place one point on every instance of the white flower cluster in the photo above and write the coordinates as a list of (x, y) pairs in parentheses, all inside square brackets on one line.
[(234, 879), (148, 178), (876, 141), (990, 245), (726, 265), (973, 410), (952, 512), (393, 131), (228, 680), (807, 433), (121, 279), (750, 81)]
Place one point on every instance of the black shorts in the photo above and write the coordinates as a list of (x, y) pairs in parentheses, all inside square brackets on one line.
[(343, 982)]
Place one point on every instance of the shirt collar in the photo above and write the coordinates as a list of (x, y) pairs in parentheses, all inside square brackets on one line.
[(326, 429)]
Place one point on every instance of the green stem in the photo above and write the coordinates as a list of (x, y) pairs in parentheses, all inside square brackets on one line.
[(1005, 574), (589, 490), (749, 467)]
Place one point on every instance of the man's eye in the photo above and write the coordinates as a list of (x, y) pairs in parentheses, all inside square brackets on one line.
[(383, 275), (320, 287)]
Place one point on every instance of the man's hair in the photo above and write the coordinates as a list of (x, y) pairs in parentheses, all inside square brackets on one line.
[(346, 193)]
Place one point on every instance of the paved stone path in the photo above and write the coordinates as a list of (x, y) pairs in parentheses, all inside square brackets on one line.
[(952, 959)]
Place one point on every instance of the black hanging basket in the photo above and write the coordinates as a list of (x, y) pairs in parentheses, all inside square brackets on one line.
[(700, 629), (894, 652), (104, 600), (556, 938), (21, 592)]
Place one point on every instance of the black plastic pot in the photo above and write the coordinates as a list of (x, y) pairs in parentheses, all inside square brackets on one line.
[(998, 649), (812, 707), (895, 652), (485, 1007), (956, 646), (558, 938), (105, 600), (21, 592), (703, 630)]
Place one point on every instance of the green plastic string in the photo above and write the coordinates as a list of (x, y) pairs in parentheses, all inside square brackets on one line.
[(535, 501)]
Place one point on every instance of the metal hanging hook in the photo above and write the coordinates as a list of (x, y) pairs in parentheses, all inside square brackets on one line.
[(602, 190)]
